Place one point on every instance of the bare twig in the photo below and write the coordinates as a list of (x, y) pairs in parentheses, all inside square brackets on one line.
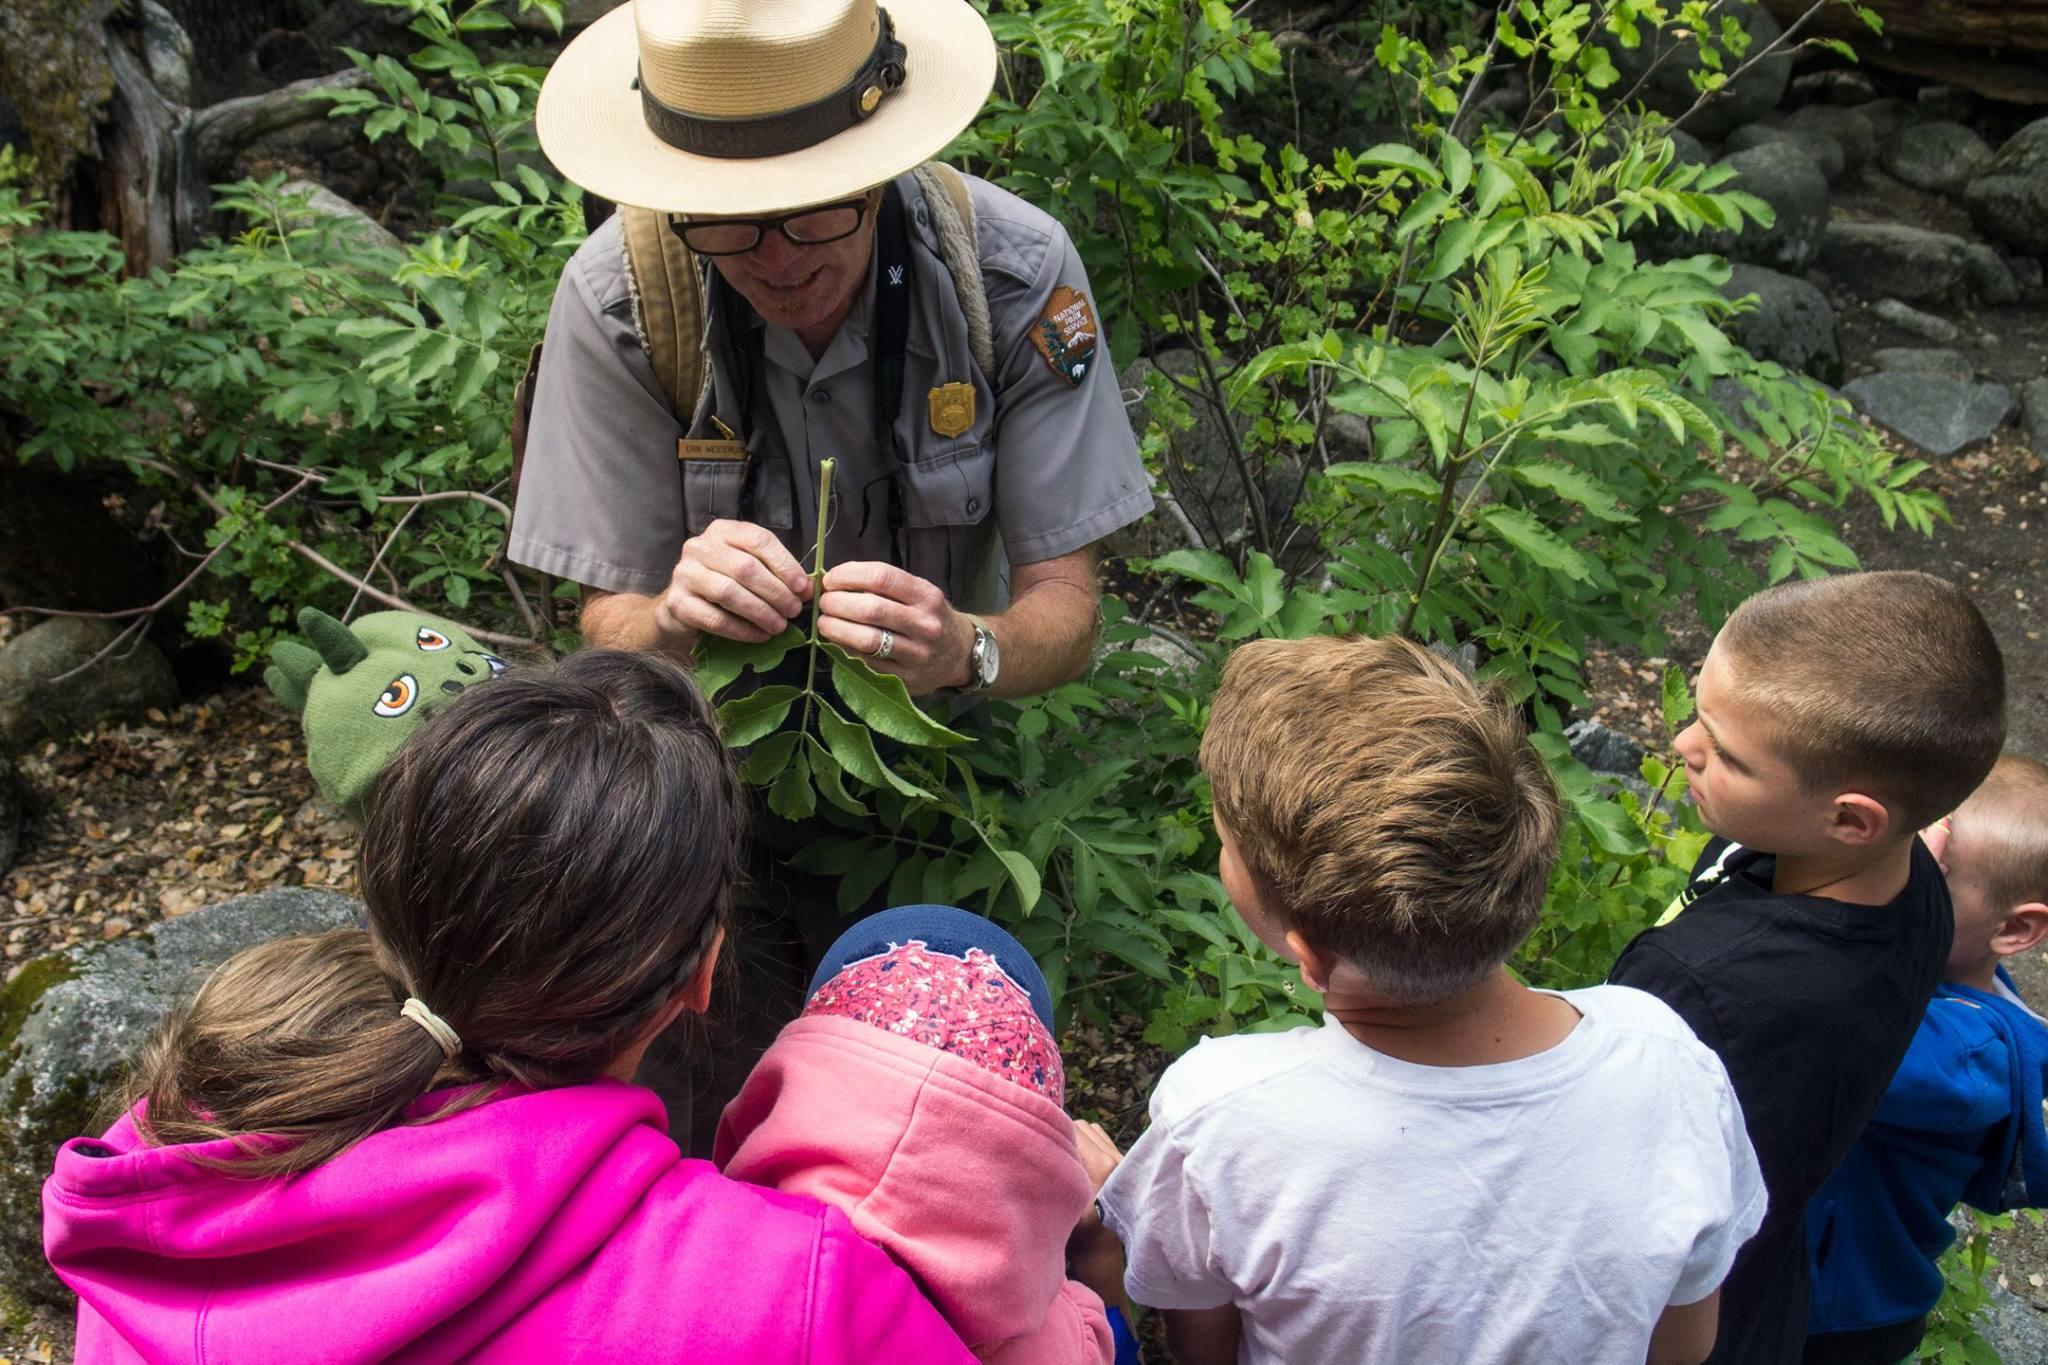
[(392, 600), (399, 500), (1166, 499), (1221, 287), (512, 586), (1767, 50), (378, 558), (140, 618), (326, 565)]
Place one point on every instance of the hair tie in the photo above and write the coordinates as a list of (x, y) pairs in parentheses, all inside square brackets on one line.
[(437, 1028)]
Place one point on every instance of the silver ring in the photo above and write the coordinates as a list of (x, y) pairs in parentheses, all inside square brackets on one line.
[(888, 643)]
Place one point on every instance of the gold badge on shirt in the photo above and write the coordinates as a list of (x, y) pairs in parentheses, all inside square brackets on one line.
[(952, 408)]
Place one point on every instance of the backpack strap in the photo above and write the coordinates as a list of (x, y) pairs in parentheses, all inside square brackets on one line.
[(668, 305), (952, 213)]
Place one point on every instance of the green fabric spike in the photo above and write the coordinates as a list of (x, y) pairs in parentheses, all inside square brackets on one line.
[(292, 667), (397, 669), (339, 647)]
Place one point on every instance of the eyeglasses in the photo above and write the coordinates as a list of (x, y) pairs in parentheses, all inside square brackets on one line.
[(735, 236)]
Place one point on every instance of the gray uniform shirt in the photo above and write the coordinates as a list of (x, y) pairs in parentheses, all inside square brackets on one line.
[(1046, 467)]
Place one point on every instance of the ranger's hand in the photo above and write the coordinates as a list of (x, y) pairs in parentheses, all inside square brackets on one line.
[(735, 580), (927, 641)]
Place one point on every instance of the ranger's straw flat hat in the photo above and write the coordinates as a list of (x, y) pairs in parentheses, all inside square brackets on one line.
[(761, 106)]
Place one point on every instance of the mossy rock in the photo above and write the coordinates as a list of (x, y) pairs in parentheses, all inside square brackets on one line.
[(53, 66), (70, 1023)]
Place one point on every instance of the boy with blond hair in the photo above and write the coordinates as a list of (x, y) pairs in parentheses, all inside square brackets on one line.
[(1454, 1167), (1836, 718), (1961, 1121)]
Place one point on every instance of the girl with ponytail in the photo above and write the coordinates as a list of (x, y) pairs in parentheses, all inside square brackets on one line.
[(420, 1140)]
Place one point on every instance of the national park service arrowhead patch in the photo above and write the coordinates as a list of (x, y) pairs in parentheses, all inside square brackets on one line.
[(1066, 334)]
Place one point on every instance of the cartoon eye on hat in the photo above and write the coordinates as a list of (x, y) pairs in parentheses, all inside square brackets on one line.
[(430, 639), (397, 699)]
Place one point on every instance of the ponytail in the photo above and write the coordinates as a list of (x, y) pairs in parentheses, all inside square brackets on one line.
[(295, 1050), (546, 863)]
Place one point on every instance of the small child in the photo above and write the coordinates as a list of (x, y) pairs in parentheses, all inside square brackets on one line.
[(1962, 1120), (921, 1092), (1836, 718), (1454, 1167)]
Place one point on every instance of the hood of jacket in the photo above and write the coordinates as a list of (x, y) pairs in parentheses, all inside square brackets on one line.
[(501, 1232), (972, 1182)]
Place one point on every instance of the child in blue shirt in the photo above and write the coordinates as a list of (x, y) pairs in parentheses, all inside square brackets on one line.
[(1962, 1119)]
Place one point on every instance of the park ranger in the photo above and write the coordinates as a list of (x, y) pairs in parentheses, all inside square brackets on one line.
[(934, 335)]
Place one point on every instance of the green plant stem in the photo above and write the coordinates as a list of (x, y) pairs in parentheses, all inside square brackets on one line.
[(825, 468)]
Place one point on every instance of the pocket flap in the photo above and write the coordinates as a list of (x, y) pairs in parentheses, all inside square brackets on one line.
[(955, 487)]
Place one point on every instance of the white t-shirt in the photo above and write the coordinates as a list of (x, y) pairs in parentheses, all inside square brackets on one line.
[(1358, 1208)]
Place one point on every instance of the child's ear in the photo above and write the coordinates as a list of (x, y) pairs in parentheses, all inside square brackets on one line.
[(1859, 820), (2021, 930), (1315, 961), (696, 994)]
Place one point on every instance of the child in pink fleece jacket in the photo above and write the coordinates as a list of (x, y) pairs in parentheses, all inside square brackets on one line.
[(921, 1093), (418, 1141)]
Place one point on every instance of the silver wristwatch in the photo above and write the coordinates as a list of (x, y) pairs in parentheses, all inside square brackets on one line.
[(985, 661)]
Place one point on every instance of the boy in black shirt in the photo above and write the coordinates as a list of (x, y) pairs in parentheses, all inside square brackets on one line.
[(1836, 718)]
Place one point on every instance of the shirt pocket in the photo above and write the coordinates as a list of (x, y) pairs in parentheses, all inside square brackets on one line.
[(711, 492), (952, 487)]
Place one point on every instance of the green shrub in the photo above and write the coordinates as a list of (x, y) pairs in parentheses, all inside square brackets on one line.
[(1555, 464)]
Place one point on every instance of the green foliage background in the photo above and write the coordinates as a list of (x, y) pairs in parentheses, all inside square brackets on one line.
[(1565, 444)]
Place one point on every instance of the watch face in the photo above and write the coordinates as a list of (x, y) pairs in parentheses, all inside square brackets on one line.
[(987, 658)]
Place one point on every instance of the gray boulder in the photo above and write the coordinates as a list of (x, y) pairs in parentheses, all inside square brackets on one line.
[(1916, 360), (13, 811), (1886, 116), (1844, 88), (2033, 420), (1941, 415), (1850, 129), (71, 1022), (1783, 175), (1200, 471), (344, 219), (1989, 276), (1907, 318), (1793, 323), (2008, 201), (2014, 1330), (124, 684), (1947, 103), (2028, 277), (1941, 157), (1687, 150), (1826, 152), (1893, 260), (1604, 750), (1660, 71)]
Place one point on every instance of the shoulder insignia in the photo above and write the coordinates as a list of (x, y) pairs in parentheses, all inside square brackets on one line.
[(1066, 333)]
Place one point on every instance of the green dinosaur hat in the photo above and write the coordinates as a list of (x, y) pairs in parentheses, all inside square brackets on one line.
[(362, 690)]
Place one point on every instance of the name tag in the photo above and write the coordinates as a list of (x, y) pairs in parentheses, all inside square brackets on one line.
[(687, 449)]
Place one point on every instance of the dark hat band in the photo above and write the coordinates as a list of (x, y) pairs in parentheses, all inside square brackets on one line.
[(791, 130)]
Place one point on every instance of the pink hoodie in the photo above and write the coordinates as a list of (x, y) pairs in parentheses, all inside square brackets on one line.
[(970, 1180), (549, 1225)]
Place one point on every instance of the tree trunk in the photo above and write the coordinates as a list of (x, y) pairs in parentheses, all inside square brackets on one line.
[(160, 156), (1999, 48), (156, 156)]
